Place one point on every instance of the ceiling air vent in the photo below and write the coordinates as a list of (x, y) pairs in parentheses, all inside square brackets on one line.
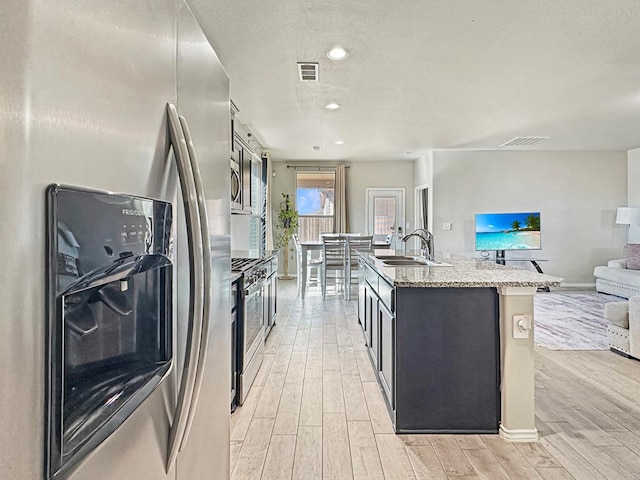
[(523, 141), (308, 72)]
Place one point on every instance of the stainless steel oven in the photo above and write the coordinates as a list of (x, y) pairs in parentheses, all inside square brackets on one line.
[(251, 324)]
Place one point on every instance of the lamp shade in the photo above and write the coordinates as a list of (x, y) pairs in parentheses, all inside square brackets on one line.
[(628, 215)]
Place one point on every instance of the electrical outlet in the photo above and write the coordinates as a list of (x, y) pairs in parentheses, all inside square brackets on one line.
[(521, 326), (446, 227)]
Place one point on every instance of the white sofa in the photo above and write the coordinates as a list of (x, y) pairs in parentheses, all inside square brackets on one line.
[(617, 279), (624, 326)]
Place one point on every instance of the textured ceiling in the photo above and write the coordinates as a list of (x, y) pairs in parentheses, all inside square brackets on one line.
[(431, 74)]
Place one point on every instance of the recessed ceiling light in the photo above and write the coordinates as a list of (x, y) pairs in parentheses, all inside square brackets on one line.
[(339, 142), (332, 106), (338, 53), (407, 153)]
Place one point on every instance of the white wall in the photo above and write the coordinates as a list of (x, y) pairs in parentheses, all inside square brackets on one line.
[(423, 169), (283, 181), (633, 177), (577, 194), (423, 178), (363, 175)]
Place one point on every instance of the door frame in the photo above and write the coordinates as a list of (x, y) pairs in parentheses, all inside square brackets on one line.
[(401, 221), (417, 206)]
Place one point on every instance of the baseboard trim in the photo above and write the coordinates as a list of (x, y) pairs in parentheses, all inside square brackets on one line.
[(528, 435)]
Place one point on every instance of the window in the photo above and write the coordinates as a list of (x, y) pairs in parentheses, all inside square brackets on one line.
[(314, 201), (384, 215)]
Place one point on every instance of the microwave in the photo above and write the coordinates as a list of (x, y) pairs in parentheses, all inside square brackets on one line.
[(236, 180)]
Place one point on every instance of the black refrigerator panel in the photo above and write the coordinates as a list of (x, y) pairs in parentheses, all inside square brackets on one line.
[(110, 315)]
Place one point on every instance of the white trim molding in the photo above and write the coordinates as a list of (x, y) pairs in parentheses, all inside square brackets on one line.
[(525, 435)]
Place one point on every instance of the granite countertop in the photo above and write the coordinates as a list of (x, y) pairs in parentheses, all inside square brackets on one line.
[(464, 272)]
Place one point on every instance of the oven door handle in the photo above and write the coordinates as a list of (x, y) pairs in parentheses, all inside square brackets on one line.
[(248, 292), (196, 300), (207, 285)]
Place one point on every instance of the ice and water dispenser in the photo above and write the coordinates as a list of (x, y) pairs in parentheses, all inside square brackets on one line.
[(110, 314)]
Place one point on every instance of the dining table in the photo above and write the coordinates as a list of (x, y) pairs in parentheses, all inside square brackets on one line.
[(316, 245)]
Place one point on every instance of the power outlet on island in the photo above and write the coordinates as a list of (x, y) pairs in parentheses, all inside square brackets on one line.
[(521, 326), (446, 227)]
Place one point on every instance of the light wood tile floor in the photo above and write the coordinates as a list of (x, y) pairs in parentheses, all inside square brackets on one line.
[(316, 411)]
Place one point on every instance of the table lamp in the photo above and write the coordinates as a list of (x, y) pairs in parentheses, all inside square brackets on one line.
[(630, 216)]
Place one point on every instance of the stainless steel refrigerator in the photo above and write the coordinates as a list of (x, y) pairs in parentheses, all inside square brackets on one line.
[(83, 102)]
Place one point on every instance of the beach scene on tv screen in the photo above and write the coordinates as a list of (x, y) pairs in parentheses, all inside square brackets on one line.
[(508, 231)]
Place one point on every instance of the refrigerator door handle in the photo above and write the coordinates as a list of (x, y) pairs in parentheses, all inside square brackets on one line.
[(196, 277), (207, 284)]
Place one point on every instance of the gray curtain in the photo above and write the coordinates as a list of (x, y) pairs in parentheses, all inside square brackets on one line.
[(341, 224)]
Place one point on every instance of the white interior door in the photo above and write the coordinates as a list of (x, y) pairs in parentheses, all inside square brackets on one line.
[(385, 212)]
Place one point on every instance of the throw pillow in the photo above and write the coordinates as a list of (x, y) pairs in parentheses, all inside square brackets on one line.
[(632, 255)]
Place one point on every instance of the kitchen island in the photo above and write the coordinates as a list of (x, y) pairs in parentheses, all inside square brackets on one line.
[(441, 338)]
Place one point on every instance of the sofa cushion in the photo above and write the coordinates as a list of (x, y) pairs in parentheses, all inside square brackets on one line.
[(617, 313), (632, 255), (617, 263), (618, 275)]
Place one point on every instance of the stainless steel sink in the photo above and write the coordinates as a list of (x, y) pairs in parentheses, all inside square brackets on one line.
[(406, 263), (409, 261), (385, 258)]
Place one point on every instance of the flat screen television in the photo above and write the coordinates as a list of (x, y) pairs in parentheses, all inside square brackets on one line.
[(508, 231)]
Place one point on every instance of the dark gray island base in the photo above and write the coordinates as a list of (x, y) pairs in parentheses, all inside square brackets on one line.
[(447, 360), (433, 337)]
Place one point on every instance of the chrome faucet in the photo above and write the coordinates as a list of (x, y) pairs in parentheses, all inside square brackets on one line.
[(426, 242)]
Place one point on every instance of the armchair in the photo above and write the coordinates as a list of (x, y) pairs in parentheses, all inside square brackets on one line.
[(624, 326)]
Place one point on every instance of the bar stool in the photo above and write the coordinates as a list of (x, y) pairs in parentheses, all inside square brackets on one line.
[(334, 253), (355, 243)]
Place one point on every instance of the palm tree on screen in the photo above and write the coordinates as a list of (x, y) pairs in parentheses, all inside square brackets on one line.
[(515, 225), (533, 222)]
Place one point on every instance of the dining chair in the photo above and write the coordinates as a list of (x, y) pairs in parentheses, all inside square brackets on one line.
[(312, 265), (355, 243), (334, 253)]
